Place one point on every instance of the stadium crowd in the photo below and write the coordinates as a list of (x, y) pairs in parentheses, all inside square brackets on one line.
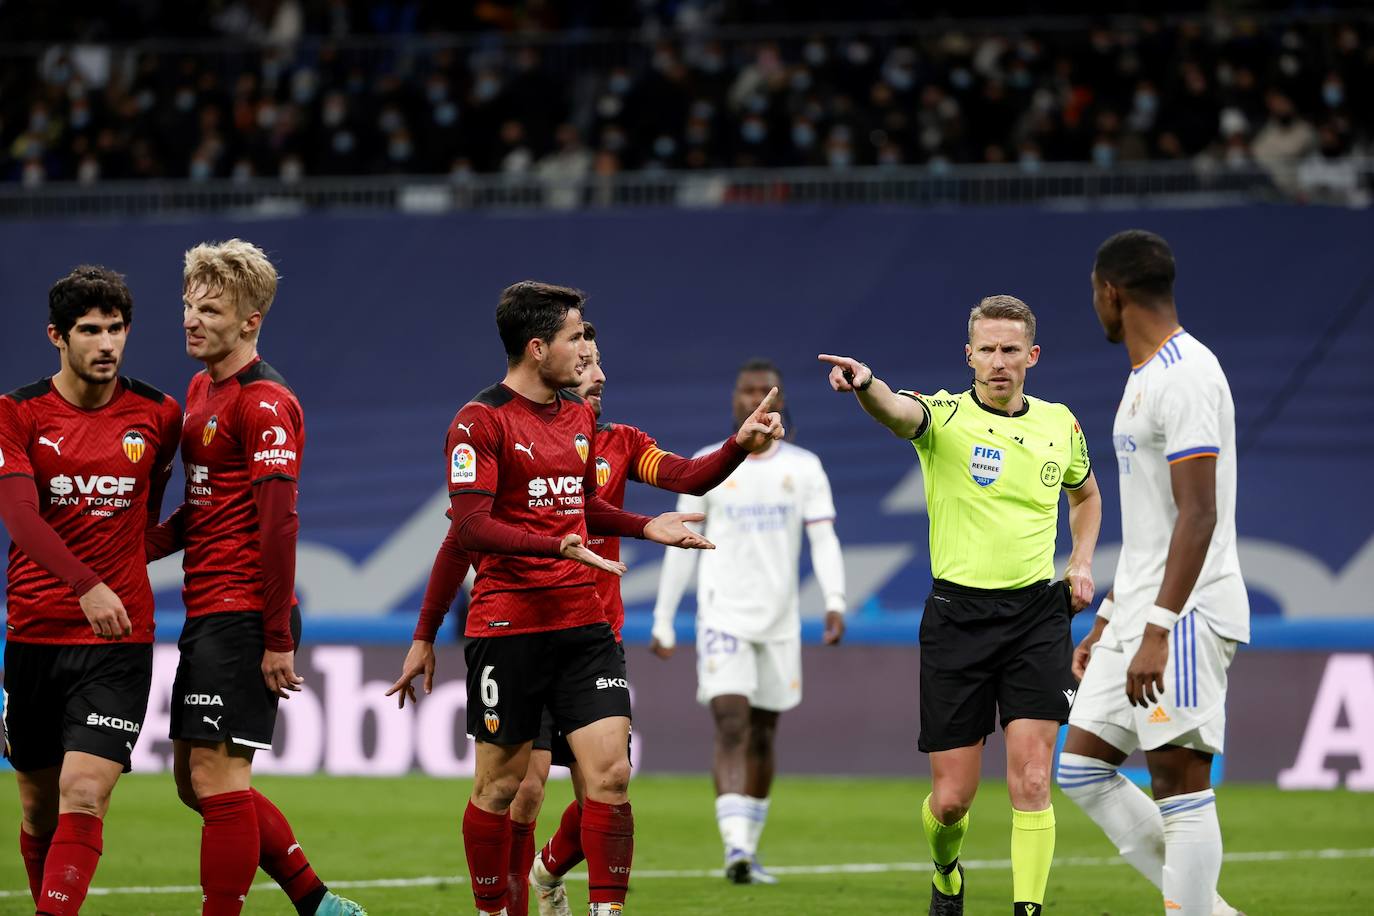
[(291, 88)]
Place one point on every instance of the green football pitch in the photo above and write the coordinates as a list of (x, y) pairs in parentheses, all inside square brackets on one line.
[(840, 845)]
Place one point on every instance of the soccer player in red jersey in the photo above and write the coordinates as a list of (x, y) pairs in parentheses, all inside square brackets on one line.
[(522, 480), (84, 458), (622, 453), (241, 445)]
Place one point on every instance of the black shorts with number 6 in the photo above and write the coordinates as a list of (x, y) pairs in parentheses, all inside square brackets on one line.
[(578, 674), (985, 653)]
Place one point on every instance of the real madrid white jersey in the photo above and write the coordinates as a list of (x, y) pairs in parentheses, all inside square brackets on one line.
[(1177, 407), (748, 585)]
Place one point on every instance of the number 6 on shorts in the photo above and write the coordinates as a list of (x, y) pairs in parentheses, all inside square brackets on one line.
[(491, 694)]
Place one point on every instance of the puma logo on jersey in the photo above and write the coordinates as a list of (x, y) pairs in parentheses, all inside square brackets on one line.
[(213, 723), (272, 407), (55, 446), (465, 428), (527, 449), (294, 847)]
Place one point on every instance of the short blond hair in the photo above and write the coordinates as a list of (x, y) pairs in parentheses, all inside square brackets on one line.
[(1003, 306), (237, 268)]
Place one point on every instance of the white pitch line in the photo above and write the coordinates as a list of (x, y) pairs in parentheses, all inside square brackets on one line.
[(855, 868)]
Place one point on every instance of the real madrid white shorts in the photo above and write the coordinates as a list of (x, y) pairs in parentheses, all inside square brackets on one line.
[(1192, 711), (767, 672)]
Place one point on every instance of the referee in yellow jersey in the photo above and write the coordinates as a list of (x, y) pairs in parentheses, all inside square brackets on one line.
[(995, 633)]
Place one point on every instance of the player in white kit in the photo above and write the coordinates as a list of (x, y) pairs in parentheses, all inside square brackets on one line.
[(748, 620), (1154, 666)]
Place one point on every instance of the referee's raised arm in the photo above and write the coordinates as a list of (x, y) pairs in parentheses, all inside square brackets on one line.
[(904, 415)]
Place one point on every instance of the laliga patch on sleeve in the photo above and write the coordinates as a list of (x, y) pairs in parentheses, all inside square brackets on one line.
[(463, 466)]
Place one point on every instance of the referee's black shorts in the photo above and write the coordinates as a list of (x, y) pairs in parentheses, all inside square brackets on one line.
[(989, 652)]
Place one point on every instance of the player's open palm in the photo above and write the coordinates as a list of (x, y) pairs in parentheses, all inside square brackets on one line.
[(762, 426), (106, 613), (419, 660), (279, 673), (671, 529), (572, 548)]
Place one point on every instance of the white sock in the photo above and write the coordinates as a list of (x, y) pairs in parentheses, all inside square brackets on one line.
[(733, 817), (758, 816), (1192, 853), (605, 909), (541, 874), (1128, 816)]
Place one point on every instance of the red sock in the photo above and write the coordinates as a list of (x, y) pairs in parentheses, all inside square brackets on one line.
[(486, 840), (33, 850), (521, 860), (608, 840), (564, 849), (228, 851), (280, 855), (73, 854)]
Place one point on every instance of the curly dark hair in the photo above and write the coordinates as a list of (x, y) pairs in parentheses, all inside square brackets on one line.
[(87, 287)]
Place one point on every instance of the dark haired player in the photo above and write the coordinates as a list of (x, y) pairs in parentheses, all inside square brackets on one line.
[(623, 453), (1161, 644), (84, 458)]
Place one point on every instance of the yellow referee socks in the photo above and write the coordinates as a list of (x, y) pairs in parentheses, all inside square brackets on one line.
[(1032, 851), (945, 842)]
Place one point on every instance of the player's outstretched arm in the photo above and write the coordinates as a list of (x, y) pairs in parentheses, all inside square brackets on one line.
[(572, 548), (419, 660), (903, 415), (670, 529), (762, 427)]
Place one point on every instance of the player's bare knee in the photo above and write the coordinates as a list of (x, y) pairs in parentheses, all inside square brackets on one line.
[(1166, 784), (86, 793), (528, 799), (732, 730), (206, 781), (496, 792), (613, 780)]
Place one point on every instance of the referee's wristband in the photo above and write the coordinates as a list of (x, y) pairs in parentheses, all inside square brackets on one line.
[(868, 382), (1162, 617), (1105, 609)]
